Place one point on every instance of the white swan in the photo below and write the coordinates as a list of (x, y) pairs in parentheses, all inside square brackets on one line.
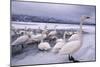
[(38, 37), (31, 39), (41, 35), (44, 45), (72, 46), (59, 40), (45, 30), (59, 44), (76, 35), (52, 33), (21, 40)]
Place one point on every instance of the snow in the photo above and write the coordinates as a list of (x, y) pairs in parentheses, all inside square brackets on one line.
[(32, 55), (35, 25)]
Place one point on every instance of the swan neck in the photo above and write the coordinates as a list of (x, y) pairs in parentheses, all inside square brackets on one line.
[(81, 23), (64, 36), (80, 32), (42, 37)]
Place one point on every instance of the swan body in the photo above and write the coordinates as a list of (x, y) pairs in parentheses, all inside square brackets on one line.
[(70, 47), (20, 40), (30, 40), (74, 44), (39, 36), (34, 38), (44, 46), (52, 33), (75, 36), (58, 46), (59, 40), (45, 31)]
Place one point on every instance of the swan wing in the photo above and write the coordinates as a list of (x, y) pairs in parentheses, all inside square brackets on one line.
[(52, 33), (74, 37), (59, 40), (58, 46), (44, 46), (70, 47), (20, 40)]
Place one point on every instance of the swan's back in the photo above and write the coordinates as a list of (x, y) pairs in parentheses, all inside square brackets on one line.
[(20, 40), (70, 47), (52, 33), (58, 46), (59, 40), (74, 37), (44, 46)]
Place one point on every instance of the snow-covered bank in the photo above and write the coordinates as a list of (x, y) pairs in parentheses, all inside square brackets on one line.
[(35, 25)]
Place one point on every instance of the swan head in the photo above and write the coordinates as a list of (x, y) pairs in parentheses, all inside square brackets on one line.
[(84, 17)]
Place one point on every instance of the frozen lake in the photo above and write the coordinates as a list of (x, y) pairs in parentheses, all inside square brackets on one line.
[(31, 55)]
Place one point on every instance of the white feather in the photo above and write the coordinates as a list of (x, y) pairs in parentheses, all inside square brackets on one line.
[(58, 46), (52, 33), (70, 47), (59, 40), (39, 36), (75, 41), (74, 37), (44, 46), (20, 40)]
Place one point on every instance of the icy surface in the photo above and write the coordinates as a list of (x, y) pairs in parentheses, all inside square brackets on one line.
[(32, 55)]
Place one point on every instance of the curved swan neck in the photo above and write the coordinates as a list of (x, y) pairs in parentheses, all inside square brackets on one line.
[(80, 31), (81, 23)]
